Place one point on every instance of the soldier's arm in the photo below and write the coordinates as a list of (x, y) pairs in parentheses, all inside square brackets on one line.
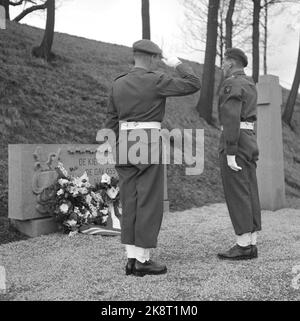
[(112, 118), (231, 117), (187, 82)]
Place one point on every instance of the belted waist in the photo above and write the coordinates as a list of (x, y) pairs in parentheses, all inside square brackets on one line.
[(245, 125), (124, 125)]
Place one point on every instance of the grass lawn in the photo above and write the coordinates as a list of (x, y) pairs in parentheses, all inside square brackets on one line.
[(87, 267)]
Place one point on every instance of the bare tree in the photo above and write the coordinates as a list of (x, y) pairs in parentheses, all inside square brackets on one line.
[(255, 39), (37, 5), (229, 24), (44, 50), (205, 103), (233, 23), (290, 104), (146, 19), (5, 4), (25, 12), (221, 36)]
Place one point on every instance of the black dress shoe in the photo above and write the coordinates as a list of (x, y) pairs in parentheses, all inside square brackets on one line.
[(148, 267), (238, 252), (129, 266), (254, 251)]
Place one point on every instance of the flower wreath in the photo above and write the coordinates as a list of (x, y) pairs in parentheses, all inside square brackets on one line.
[(79, 204)]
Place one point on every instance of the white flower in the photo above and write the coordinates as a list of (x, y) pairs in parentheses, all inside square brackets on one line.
[(93, 210), (105, 179), (74, 190), (71, 222), (87, 214), (97, 197), (113, 192), (82, 181), (60, 192), (104, 211), (64, 208), (88, 198), (83, 190), (63, 181)]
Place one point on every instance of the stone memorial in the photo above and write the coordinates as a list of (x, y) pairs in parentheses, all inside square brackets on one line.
[(270, 166), (31, 177)]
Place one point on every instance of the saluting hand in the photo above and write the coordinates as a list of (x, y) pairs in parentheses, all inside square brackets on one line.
[(171, 61), (231, 162)]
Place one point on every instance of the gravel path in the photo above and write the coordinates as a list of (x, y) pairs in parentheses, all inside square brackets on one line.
[(87, 267)]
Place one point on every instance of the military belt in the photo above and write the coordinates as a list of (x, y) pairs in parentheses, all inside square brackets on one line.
[(245, 125)]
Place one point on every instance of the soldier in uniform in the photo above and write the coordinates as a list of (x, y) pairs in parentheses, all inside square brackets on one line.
[(238, 153), (137, 102)]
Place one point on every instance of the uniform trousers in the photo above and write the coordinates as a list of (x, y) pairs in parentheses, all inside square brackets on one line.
[(141, 194), (241, 195)]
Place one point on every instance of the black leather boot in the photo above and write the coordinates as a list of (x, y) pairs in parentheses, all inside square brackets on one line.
[(148, 267), (254, 251), (238, 252), (129, 266)]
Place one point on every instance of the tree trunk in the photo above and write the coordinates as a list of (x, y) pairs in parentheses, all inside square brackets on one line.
[(146, 19), (221, 37), (229, 24), (255, 40), (5, 4), (205, 104), (290, 104), (44, 50), (265, 37)]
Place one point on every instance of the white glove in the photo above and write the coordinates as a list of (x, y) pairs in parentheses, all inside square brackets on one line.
[(171, 61), (231, 162)]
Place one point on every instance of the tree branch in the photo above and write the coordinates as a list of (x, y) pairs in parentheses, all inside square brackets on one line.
[(11, 3), (29, 10)]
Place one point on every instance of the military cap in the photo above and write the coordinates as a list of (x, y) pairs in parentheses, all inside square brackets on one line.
[(237, 54), (146, 46)]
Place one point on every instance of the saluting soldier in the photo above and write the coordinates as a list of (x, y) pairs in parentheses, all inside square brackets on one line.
[(137, 102), (238, 153)]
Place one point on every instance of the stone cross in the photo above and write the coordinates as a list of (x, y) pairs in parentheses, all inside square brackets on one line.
[(270, 166)]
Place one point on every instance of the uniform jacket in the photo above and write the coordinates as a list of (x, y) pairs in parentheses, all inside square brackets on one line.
[(140, 95), (238, 103)]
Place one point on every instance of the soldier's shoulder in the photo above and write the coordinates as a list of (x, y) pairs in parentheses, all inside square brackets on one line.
[(155, 73), (120, 75), (231, 86), (233, 80)]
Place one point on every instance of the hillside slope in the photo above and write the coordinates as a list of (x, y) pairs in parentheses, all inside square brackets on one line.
[(65, 102)]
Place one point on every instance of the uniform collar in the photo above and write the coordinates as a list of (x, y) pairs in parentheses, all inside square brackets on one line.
[(138, 69), (238, 73)]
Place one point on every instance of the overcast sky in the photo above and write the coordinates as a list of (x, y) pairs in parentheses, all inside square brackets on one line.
[(119, 21)]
